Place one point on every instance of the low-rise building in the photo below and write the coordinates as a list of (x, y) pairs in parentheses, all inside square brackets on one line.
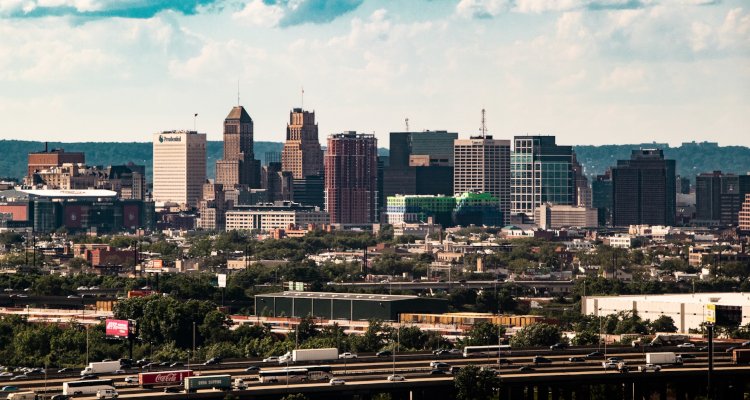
[(555, 216), (269, 216)]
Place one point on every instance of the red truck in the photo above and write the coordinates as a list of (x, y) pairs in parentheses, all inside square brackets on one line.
[(163, 378), (741, 356)]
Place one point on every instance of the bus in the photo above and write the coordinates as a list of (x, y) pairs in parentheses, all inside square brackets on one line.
[(74, 388), (296, 374), (485, 350)]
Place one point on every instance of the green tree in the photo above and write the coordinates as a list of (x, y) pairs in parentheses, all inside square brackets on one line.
[(537, 334), (473, 383), (664, 323), (483, 333), (294, 396)]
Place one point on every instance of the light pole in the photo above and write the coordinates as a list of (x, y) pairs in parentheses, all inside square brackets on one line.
[(87, 345)]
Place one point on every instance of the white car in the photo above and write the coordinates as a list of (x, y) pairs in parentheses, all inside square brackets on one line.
[(395, 378), (131, 379), (119, 371), (336, 382), (346, 356), (609, 365), (686, 345), (107, 394), (5, 374), (271, 359), (82, 288), (649, 367)]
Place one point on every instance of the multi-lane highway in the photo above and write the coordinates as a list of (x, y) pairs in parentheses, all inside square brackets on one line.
[(371, 370)]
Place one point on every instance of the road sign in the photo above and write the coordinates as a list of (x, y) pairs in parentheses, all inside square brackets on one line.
[(711, 313)]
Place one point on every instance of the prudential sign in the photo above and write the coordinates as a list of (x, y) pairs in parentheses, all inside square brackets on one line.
[(163, 138)]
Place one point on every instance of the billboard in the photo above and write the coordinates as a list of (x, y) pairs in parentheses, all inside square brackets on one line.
[(222, 280), (711, 313), (117, 328), (163, 378)]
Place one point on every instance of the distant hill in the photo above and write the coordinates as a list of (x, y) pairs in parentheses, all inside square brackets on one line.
[(692, 158)]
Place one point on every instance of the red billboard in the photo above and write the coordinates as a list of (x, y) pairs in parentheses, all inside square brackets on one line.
[(117, 328), (163, 378)]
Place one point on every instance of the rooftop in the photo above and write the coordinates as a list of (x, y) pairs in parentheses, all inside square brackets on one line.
[(726, 298), (84, 193), (339, 296), (238, 112)]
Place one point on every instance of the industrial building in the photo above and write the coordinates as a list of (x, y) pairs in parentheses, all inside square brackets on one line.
[(466, 319), (688, 311), (347, 306)]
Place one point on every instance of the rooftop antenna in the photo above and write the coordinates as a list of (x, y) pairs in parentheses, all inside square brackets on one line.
[(407, 124), (302, 105), (483, 129)]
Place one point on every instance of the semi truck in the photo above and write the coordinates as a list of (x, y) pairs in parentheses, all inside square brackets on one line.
[(327, 354), (163, 378), (665, 358), (104, 367), (221, 382), (741, 356)]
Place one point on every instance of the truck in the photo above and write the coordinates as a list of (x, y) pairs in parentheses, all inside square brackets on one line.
[(104, 367), (195, 383), (330, 353), (665, 358), (163, 378), (741, 356), (240, 384)]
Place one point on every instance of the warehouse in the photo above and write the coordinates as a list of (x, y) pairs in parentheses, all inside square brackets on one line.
[(349, 306), (688, 311)]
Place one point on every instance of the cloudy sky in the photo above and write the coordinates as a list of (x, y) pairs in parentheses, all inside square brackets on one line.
[(587, 71)]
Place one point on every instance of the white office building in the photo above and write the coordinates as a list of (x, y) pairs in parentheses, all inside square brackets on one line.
[(179, 167), (279, 215)]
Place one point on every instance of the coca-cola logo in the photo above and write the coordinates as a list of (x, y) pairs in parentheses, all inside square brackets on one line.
[(170, 377), (115, 325)]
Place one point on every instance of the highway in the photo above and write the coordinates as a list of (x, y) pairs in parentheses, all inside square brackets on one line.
[(369, 370)]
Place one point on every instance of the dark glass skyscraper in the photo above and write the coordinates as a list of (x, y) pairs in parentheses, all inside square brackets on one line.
[(644, 189), (420, 163), (719, 197)]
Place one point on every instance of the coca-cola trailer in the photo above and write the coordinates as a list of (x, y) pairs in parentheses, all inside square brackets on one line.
[(163, 378)]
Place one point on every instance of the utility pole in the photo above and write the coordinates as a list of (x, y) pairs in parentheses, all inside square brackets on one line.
[(710, 328)]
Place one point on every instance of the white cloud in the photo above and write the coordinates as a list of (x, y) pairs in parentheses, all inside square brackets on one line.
[(628, 78), (258, 13), (482, 8)]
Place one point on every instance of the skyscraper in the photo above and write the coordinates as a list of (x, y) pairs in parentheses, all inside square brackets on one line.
[(420, 163), (719, 197), (482, 165), (302, 155), (601, 198), (351, 167), (541, 172), (179, 167), (644, 190), (238, 166)]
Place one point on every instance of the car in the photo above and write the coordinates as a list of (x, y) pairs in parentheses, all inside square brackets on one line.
[(455, 369), (440, 365), (347, 355), (595, 354), (384, 353), (146, 288), (19, 377), (252, 368), (504, 361), (89, 376), (212, 361), (7, 290), (455, 351), (438, 372), (525, 368), (5, 374), (94, 288), (614, 359), (82, 288), (385, 281), (107, 394), (686, 345), (441, 352), (686, 356), (623, 369), (610, 365), (119, 371), (172, 389), (559, 346), (60, 397), (64, 370), (745, 344), (395, 378), (576, 359), (28, 289), (9, 389), (72, 296), (541, 360), (649, 367), (703, 348), (164, 364), (272, 359), (730, 349), (142, 362), (131, 379), (176, 364), (336, 382)]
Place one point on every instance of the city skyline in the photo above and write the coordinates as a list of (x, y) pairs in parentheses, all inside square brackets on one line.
[(622, 71)]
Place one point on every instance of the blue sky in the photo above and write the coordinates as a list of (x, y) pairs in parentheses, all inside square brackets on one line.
[(587, 71)]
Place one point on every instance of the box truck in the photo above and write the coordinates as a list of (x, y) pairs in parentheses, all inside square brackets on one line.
[(328, 354), (104, 367), (741, 356), (22, 396), (163, 378), (194, 383), (665, 358)]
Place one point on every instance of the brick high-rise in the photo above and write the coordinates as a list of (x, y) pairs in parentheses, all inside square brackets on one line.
[(302, 155), (351, 170), (238, 167)]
